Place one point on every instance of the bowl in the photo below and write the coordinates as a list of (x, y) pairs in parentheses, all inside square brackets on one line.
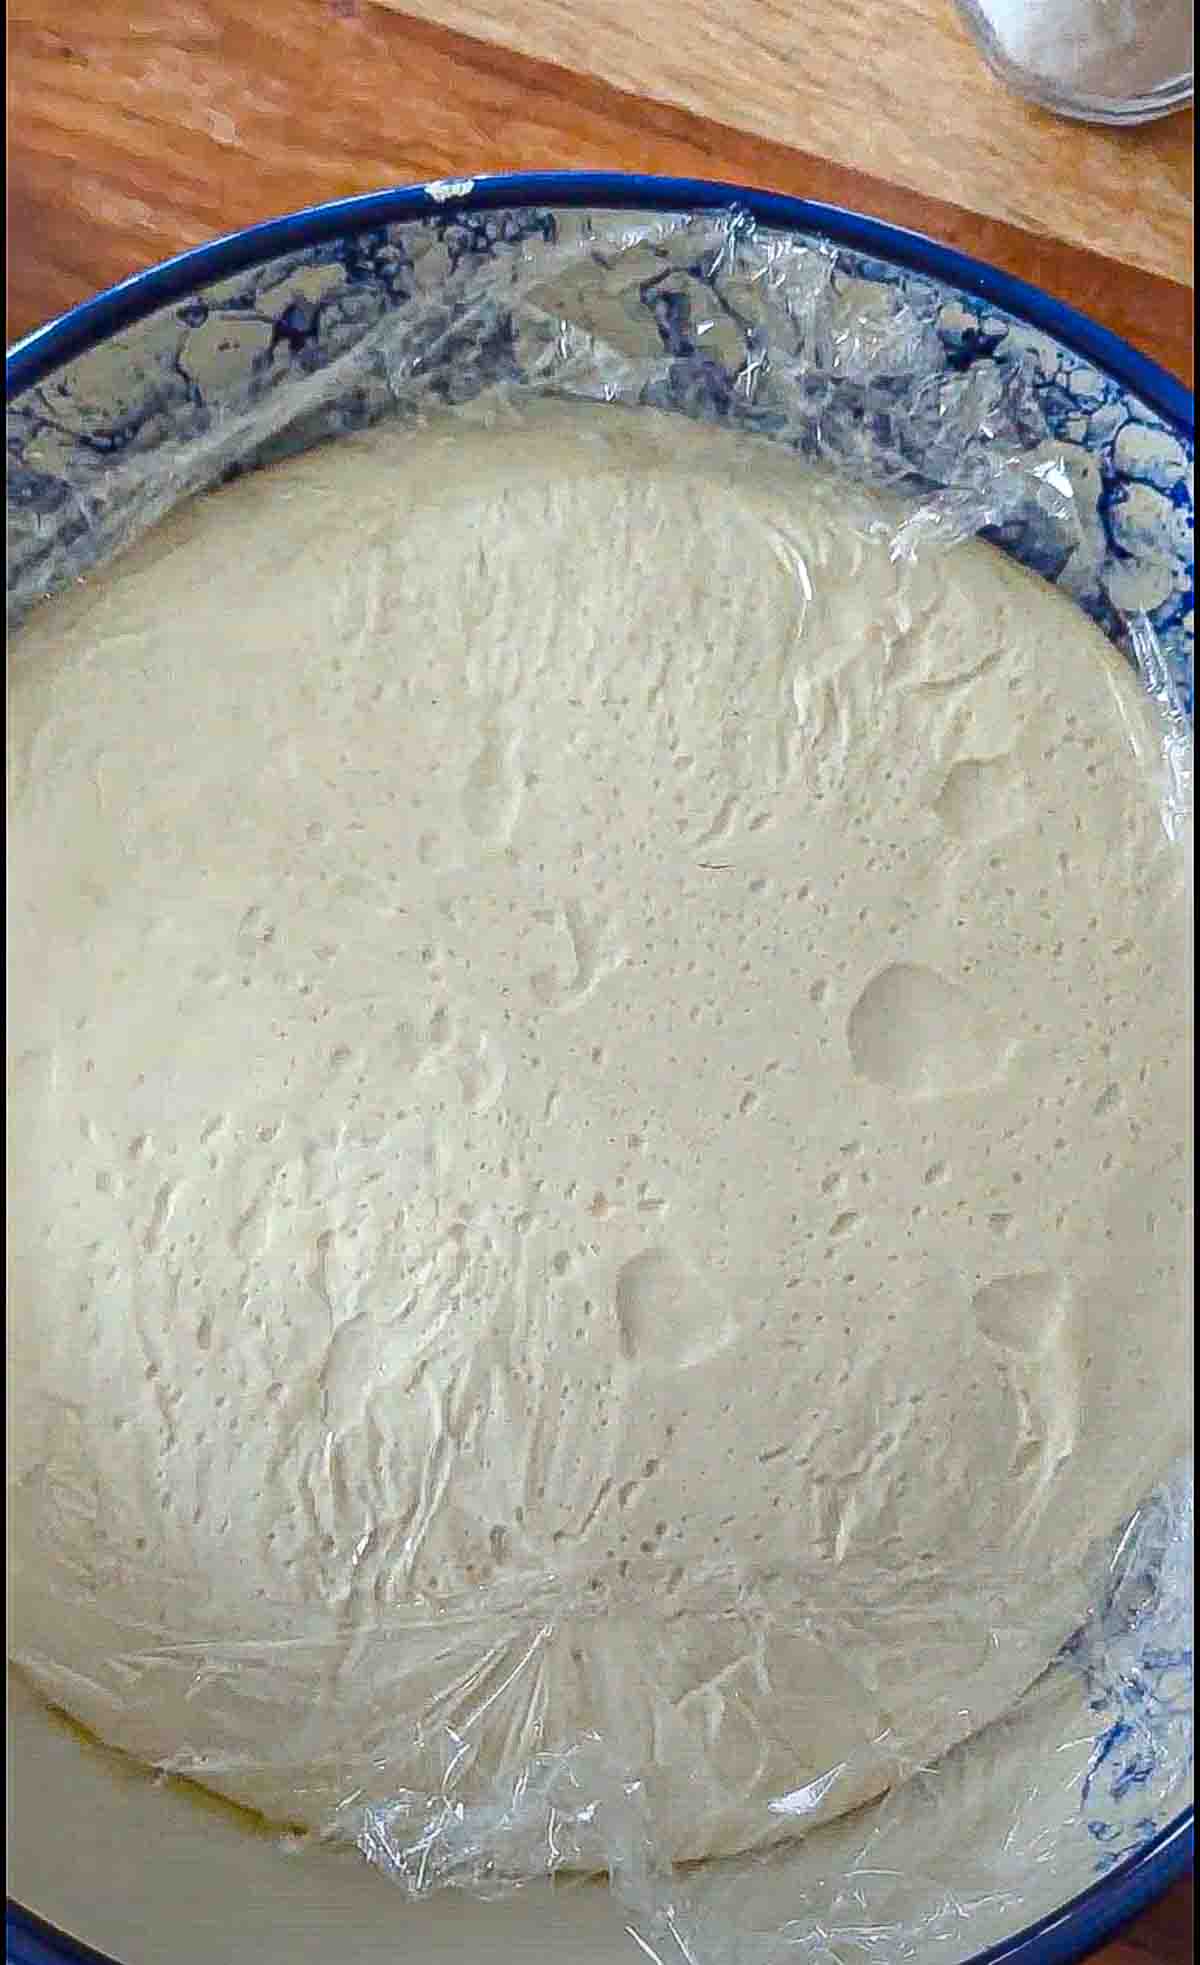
[(1128, 69), (138, 1870)]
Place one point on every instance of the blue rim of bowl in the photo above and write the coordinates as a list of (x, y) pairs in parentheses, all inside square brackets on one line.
[(1092, 1916), (38, 354)]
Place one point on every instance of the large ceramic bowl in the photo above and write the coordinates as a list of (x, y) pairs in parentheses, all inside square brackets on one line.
[(139, 1872)]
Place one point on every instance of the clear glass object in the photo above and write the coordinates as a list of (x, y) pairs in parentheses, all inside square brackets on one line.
[(1099, 61)]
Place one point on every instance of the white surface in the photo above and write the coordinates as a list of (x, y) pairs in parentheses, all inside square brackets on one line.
[(155, 1877), (1119, 49)]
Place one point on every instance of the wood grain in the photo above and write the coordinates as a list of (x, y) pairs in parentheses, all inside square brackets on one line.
[(1164, 1932), (138, 127), (894, 88)]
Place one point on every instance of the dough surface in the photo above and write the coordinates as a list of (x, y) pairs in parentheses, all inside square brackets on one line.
[(575, 1030)]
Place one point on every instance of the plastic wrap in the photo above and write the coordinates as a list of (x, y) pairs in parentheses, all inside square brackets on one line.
[(714, 319), (708, 317)]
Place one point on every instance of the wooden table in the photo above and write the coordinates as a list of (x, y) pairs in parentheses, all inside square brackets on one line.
[(138, 127)]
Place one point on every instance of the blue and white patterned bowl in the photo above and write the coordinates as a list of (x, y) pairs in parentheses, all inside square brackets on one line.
[(167, 362)]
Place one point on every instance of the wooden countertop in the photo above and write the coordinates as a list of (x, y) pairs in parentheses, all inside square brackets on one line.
[(139, 127)]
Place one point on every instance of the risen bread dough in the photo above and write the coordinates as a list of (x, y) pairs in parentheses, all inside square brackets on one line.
[(577, 1029)]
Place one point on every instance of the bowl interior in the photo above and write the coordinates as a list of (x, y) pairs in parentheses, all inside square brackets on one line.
[(315, 332)]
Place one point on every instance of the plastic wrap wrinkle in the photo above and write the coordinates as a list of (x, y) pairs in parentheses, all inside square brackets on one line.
[(819, 365), (824, 369)]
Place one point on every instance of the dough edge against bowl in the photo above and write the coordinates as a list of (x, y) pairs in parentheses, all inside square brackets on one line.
[(1012, 1324)]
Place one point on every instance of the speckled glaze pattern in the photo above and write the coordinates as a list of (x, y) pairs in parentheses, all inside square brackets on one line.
[(80, 443), (1136, 1662)]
